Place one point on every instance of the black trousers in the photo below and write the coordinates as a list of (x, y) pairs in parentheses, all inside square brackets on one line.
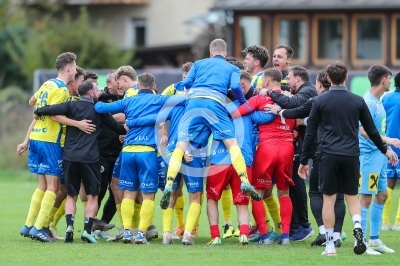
[(298, 195), (316, 199), (109, 210)]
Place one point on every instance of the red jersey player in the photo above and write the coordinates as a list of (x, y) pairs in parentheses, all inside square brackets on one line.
[(274, 158)]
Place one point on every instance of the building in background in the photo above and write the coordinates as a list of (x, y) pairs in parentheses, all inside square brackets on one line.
[(155, 28), (356, 32)]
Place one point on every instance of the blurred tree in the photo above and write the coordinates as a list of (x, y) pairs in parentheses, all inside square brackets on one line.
[(51, 35), (12, 26)]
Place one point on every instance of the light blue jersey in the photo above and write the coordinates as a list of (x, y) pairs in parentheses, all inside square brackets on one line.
[(391, 103), (378, 114)]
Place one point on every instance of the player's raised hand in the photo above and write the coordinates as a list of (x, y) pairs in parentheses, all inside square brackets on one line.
[(303, 171), (86, 126), (21, 148), (392, 156)]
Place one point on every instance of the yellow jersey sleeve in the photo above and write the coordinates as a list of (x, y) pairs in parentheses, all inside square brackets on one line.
[(170, 90)]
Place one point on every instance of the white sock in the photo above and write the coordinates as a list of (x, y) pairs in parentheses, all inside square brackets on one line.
[(329, 238), (356, 220), (322, 230), (336, 236)]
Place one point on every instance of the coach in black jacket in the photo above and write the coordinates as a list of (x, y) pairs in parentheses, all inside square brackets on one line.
[(109, 147), (302, 90), (316, 198), (81, 150)]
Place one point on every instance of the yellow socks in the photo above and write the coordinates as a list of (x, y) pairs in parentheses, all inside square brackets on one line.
[(45, 208), (127, 211), (136, 216), (167, 216), (119, 213), (146, 215), (238, 162), (84, 203), (227, 202), (397, 221), (50, 217), (34, 207), (273, 208), (175, 164), (179, 204), (59, 213), (192, 216), (387, 208), (268, 222)]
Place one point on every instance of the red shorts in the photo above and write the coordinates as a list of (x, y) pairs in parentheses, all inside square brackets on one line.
[(219, 177), (273, 160)]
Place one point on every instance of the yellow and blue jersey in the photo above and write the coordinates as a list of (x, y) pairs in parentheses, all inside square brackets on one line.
[(53, 91), (256, 80), (175, 89), (131, 91), (72, 98)]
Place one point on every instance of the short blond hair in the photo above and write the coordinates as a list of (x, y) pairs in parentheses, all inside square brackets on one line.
[(126, 71), (218, 45)]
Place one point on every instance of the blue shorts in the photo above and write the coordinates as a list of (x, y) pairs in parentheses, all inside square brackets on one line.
[(373, 177), (162, 172), (193, 172), (45, 158), (203, 114), (117, 167), (139, 171), (393, 171)]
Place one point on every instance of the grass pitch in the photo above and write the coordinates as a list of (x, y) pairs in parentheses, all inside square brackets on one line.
[(16, 189)]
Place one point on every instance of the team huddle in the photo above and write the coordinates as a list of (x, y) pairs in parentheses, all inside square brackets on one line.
[(230, 129)]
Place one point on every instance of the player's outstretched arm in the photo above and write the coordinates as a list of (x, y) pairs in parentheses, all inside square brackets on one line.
[(85, 125), (260, 117), (114, 107)]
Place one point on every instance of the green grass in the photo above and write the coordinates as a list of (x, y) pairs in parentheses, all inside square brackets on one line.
[(16, 188)]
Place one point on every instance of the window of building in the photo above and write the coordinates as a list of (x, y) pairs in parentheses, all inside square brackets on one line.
[(251, 30), (292, 30), (395, 44), (368, 38), (329, 38), (136, 33)]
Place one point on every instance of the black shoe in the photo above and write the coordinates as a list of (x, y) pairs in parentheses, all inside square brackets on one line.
[(321, 239), (359, 247), (226, 227), (338, 243)]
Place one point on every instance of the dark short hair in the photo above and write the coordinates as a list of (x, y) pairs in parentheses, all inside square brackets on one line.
[(146, 80), (79, 72), (90, 75), (85, 87), (273, 73), (232, 60), (337, 72), (323, 79), (65, 59), (289, 50), (245, 75), (376, 73), (258, 52), (187, 66), (397, 80), (301, 72)]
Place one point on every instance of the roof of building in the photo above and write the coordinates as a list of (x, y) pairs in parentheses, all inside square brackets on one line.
[(292, 5)]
